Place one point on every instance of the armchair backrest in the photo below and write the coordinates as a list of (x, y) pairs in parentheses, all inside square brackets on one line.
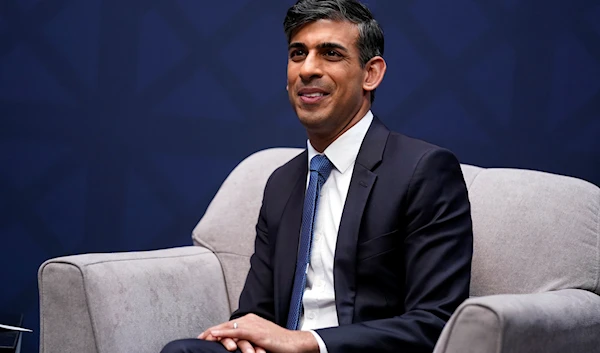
[(533, 231), (228, 225)]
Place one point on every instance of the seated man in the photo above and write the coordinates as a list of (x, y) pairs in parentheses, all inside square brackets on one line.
[(364, 240)]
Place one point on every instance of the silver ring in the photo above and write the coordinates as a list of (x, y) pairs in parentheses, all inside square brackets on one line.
[(235, 325)]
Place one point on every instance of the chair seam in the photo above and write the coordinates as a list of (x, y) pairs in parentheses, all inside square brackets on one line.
[(475, 177), (499, 344), (597, 286), (204, 244), (211, 249), (217, 254), (42, 296), (87, 300), (232, 253), (87, 304), (129, 259)]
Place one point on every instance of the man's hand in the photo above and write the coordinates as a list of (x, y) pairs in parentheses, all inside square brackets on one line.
[(232, 344), (256, 335), (245, 346)]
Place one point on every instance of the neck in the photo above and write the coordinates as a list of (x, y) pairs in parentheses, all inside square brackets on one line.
[(321, 140)]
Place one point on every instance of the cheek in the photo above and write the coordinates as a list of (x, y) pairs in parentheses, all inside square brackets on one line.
[(349, 81), (351, 88)]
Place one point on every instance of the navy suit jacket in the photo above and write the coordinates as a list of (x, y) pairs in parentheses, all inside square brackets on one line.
[(403, 254)]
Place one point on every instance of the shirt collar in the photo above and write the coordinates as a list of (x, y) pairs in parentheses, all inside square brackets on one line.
[(343, 151)]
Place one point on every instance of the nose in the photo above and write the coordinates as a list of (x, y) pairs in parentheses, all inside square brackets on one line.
[(310, 68)]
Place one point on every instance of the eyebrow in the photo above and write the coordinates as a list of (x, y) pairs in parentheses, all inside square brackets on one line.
[(326, 45)]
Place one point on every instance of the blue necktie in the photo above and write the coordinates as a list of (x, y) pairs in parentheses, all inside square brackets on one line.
[(320, 167)]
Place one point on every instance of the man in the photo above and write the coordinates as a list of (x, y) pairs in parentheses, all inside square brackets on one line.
[(364, 241)]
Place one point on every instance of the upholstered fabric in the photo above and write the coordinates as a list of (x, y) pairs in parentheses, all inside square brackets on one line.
[(534, 232), (129, 302), (64, 313), (228, 225), (565, 321)]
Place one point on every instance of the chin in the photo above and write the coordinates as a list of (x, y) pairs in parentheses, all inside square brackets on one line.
[(312, 121)]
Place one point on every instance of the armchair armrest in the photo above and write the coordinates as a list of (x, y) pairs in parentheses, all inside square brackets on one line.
[(551, 322), (129, 302)]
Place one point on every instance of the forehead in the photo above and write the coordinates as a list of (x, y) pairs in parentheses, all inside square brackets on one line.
[(327, 31)]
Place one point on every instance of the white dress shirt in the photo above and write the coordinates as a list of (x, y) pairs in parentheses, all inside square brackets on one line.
[(319, 295)]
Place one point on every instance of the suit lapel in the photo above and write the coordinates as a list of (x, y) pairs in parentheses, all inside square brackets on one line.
[(363, 179), (288, 236)]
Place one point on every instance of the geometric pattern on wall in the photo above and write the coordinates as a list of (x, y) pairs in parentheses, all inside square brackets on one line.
[(120, 119)]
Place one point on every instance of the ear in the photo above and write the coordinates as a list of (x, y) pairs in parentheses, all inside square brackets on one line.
[(287, 88), (374, 72)]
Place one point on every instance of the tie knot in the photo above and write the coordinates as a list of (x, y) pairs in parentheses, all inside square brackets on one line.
[(322, 165)]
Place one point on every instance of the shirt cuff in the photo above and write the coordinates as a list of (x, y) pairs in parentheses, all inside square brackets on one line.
[(322, 346)]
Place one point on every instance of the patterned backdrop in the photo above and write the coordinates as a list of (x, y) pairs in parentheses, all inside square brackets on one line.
[(120, 119)]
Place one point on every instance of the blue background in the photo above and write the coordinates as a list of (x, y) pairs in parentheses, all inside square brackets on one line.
[(120, 119)]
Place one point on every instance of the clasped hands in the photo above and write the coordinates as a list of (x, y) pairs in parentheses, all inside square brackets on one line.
[(253, 334)]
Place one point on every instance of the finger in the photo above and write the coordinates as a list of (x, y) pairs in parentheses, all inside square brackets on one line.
[(233, 333), (222, 326), (209, 337), (245, 346), (206, 333), (229, 344), (225, 325), (259, 350)]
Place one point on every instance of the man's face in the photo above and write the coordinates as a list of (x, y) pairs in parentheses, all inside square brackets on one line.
[(325, 78)]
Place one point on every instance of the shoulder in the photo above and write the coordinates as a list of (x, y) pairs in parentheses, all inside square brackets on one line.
[(413, 153), (288, 173), (398, 149)]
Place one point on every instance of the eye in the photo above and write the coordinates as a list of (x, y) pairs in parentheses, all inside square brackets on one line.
[(333, 55), (296, 54)]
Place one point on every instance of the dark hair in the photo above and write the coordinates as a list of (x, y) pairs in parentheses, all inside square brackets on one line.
[(370, 35)]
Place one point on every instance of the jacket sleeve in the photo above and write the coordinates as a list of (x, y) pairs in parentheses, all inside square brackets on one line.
[(257, 295), (437, 248)]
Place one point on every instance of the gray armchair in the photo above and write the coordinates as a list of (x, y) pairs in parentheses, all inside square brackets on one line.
[(535, 284)]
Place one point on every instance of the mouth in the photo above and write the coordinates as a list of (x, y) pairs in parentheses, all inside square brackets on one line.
[(312, 96)]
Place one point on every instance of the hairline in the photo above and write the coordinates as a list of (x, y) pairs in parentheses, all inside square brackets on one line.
[(359, 26)]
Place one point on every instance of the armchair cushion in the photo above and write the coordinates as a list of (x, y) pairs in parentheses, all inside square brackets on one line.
[(129, 302), (552, 322), (533, 232)]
